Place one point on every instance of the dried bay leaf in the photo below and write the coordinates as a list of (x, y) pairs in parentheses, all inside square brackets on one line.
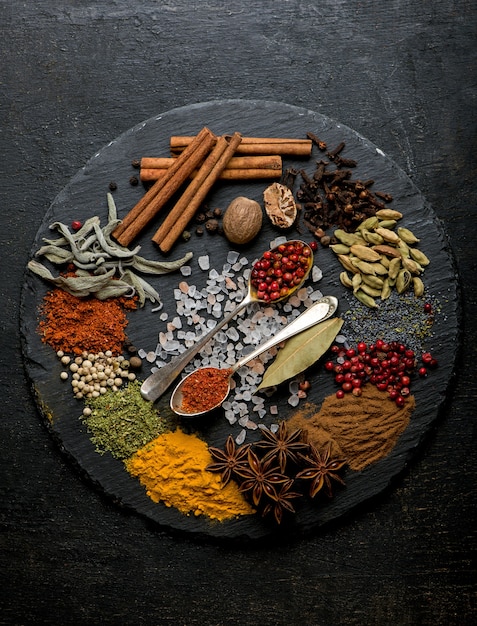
[(301, 351)]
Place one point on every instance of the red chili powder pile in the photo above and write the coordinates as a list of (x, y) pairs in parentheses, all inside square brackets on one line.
[(76, 324), (204, 389), (361, 429)]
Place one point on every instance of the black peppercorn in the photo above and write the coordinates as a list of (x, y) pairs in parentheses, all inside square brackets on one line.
[(134, 181), (217, 212), (112, 186), (136, 163), (199, 231), (212, 226)]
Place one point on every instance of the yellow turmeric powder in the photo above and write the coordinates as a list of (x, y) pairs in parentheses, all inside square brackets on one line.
[(172, 468)]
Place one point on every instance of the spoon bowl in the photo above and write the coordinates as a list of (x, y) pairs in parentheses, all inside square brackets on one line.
[(263, 274), (204, 389)]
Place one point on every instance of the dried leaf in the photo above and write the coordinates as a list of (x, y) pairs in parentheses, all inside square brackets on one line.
[(301, 351)]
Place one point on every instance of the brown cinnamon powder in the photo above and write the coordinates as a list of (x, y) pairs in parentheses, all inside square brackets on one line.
[(361, 429)]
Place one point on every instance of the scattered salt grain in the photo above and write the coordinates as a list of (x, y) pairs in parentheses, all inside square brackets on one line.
[(186, 270), (293, 400), (316, 274), (232, 256), (151, 357), (240, 438), (204, 262)]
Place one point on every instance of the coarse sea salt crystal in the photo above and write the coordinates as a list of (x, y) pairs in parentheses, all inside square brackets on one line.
[(316, 274), (204, 262), (232, 256), (230, 416), (186, 270), (240, 438), (293, 400)]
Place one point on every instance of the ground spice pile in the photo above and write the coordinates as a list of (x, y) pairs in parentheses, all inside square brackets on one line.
[(361, 429), (172, 468), (121, 421), (77, 325)]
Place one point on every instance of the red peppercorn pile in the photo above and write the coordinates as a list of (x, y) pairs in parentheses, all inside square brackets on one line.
[(388, 366), (280, 270)]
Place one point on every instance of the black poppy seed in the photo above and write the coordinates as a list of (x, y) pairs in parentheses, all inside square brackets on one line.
[(400, 318)]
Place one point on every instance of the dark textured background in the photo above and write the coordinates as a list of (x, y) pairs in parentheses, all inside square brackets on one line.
[(75, 75)]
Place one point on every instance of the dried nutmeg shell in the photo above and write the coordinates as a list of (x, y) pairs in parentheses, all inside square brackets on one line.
[(242, 220), (280, 205)]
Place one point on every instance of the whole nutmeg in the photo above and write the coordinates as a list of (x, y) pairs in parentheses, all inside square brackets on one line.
[(242, 220)]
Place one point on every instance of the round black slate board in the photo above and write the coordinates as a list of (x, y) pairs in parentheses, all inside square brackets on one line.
[(85, 196)]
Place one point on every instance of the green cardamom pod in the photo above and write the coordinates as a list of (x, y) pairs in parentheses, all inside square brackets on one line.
[(365, 253), (369, 223), (365, 267), (386, 290), (347, 238), (373, 238), (394, 267), (403, 281), (384, 261), (380, 268), (388, 235), (340, 248), (346, 263), (356, 281), (419, 256), (412, 266), (404, 249), (418, 286), (407, 235), (371, 291), (373, 281), (365, 299), (388, 214), (389, 224), (346, 280)]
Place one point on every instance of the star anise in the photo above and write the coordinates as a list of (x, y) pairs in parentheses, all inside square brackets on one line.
[(229, 459), (282, 445), (321, 470), (277, 506), (260, 477)]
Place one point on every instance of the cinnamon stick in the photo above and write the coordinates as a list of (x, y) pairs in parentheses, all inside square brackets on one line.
[(187, 205), (255, 145), (267, 161), (227, 174), (238, 168), (157, 196)]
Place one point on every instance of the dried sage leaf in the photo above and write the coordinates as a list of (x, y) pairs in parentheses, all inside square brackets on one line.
[(301, 351)]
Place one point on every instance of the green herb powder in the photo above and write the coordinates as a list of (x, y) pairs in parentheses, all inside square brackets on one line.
[(121, 421)]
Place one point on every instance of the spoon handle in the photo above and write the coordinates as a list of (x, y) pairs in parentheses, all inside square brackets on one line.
[(157, 383), (318, 312)]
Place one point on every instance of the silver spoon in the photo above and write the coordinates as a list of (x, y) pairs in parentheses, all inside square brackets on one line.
[(159, 382), (318, 312)]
